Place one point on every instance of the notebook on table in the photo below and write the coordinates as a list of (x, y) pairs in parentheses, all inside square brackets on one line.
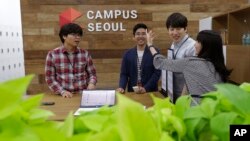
[(94, 99)]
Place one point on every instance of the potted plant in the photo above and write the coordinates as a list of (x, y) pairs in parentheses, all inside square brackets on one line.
[(21, 119)]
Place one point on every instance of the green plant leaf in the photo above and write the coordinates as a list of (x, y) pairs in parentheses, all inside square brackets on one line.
[(49, 132), (31, 113), (134, 123), (14, 129), (11, 93), (178, 126), (81, 137), (181, 105), (31, 102), (237, 96), (191, 125), (208, 107), (39, 116), (220, 124), (195, 112), (166, 137), (160, 103), (160, 110), (17, 86), (67, 127), (245, 86), (94, 122), (106, 135)]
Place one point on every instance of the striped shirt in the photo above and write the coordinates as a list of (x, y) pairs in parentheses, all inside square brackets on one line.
[(139, 60), (199, 74), (69, 71)]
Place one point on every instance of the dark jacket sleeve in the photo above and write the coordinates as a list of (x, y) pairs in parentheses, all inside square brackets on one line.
[(123, 73), (152, 83)]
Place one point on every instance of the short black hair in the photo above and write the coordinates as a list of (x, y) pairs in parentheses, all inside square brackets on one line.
[(137, 26), (176, 20), (70, 28)]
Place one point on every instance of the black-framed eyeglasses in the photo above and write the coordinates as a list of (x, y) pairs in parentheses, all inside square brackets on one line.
[(140, 33), (75, 35)]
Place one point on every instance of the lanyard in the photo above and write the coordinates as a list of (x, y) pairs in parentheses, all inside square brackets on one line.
[(174, 56)]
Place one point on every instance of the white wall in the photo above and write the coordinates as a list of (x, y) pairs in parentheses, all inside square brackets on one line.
[(11, 41), (206, 24)]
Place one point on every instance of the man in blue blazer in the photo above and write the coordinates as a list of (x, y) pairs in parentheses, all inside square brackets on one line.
[(137, 67)]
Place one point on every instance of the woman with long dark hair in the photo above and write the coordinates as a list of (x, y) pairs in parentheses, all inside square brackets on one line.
[(212, 51), (202, 71)]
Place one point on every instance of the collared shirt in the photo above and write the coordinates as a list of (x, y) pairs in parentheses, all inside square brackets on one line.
[(185, 48), (69, 71)]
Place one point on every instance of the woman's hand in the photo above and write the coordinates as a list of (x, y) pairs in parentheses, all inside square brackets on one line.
[(150, 37)]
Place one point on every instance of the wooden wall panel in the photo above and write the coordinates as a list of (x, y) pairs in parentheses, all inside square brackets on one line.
[(76, 2), (40, 23), (238, 60), (214, 7)]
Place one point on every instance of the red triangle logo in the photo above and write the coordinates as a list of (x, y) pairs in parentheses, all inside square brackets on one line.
[(68, 16)]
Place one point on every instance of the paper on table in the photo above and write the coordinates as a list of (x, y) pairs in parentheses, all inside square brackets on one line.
[(94, 99), (97, 98), (80, 110)]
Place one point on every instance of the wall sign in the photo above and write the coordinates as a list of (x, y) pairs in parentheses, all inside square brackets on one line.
[(70, 15), (112, 15)]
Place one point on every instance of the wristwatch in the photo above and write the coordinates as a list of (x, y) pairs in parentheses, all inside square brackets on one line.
[(151, 46)]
